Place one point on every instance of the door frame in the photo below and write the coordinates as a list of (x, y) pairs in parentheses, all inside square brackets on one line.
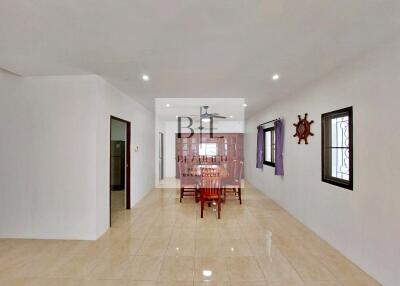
[(161, 156), (127, 163)]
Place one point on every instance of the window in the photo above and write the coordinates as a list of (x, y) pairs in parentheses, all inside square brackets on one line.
[(269, 146), (208, 149), (337, 148)]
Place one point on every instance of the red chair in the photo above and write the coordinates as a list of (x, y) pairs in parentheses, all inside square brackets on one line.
[(233, 181), (210, 190), (188, 180)]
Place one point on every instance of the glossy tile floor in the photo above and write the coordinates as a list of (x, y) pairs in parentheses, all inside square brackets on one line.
[(163, 242)]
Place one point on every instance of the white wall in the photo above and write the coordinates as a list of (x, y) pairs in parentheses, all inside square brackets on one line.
[(111, 101), (55, 154), (48, 163), (363, 224)]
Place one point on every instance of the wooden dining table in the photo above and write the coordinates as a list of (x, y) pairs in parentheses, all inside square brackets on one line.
[(197, 170)]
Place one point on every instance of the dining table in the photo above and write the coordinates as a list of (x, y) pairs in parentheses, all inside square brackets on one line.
[(199, 170)]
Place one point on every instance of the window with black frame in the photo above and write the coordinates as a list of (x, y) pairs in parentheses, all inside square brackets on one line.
[(337, 147), (269, 146)]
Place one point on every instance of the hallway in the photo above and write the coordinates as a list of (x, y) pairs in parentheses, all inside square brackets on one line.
[(163, 242)]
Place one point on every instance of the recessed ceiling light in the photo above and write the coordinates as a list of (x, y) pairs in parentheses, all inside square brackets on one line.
[(275, 76), (168, 105), (244, 104), (145, 77), (207, 273), (231, 116), (176, 116)]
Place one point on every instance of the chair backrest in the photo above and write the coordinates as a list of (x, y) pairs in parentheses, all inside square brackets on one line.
[(230, 167), (210, 171), (238, 170), (235, 173), (210, 186), (186, 174)]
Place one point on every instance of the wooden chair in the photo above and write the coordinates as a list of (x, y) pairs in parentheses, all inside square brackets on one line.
[(233, 181), (211, 190), (189, 185)]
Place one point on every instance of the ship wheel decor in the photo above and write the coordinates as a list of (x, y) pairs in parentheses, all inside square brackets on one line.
[(303, 128)]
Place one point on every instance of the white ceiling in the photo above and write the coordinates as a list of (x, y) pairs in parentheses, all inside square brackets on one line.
[(191, 107), (193, 48)]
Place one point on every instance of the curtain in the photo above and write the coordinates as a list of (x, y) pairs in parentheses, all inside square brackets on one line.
[(278, 147), (260, 147)]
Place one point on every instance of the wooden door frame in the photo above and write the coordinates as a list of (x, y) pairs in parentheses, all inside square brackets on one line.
[(127, 163)]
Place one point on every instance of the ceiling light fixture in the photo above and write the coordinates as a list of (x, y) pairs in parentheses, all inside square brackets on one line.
[(244, 104), (275, 77), (231, 116), (145, 77), (207, 273), (206, 120), (168, 105)]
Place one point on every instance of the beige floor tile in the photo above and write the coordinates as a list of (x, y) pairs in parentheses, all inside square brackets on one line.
[(286, 283), (141, 283), (205, 232), (143, 268), (235, 247), (184, 220), (132, 246), (211, 269), (179, 268), (175, 283), (41, 282), (161, 232), (249, 283), (369, 282), (311, 268), (104, 282), (111, 266), (322, 283), (184, 233), (230, 232), (264, 247), (77, 266), (343, 269), (181, 247), (153, 246), (208, 247), (242, 268), (277, 269)]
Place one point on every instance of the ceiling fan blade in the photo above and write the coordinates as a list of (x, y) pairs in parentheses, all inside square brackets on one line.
[(206, 128)]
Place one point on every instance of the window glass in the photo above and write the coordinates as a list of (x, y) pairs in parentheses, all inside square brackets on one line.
[(337, 148), (269, 146), (208, 149)]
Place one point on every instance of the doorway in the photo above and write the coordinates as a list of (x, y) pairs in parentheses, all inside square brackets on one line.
[(161, 156), (120, 155)]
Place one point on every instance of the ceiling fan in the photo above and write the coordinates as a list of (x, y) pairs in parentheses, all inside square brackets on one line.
[(206, 117)]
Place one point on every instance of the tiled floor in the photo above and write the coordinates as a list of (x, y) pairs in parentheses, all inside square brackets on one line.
[(163, 242), (117, 201)]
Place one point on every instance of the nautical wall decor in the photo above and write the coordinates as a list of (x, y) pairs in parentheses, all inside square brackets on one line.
[(303, 128)]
